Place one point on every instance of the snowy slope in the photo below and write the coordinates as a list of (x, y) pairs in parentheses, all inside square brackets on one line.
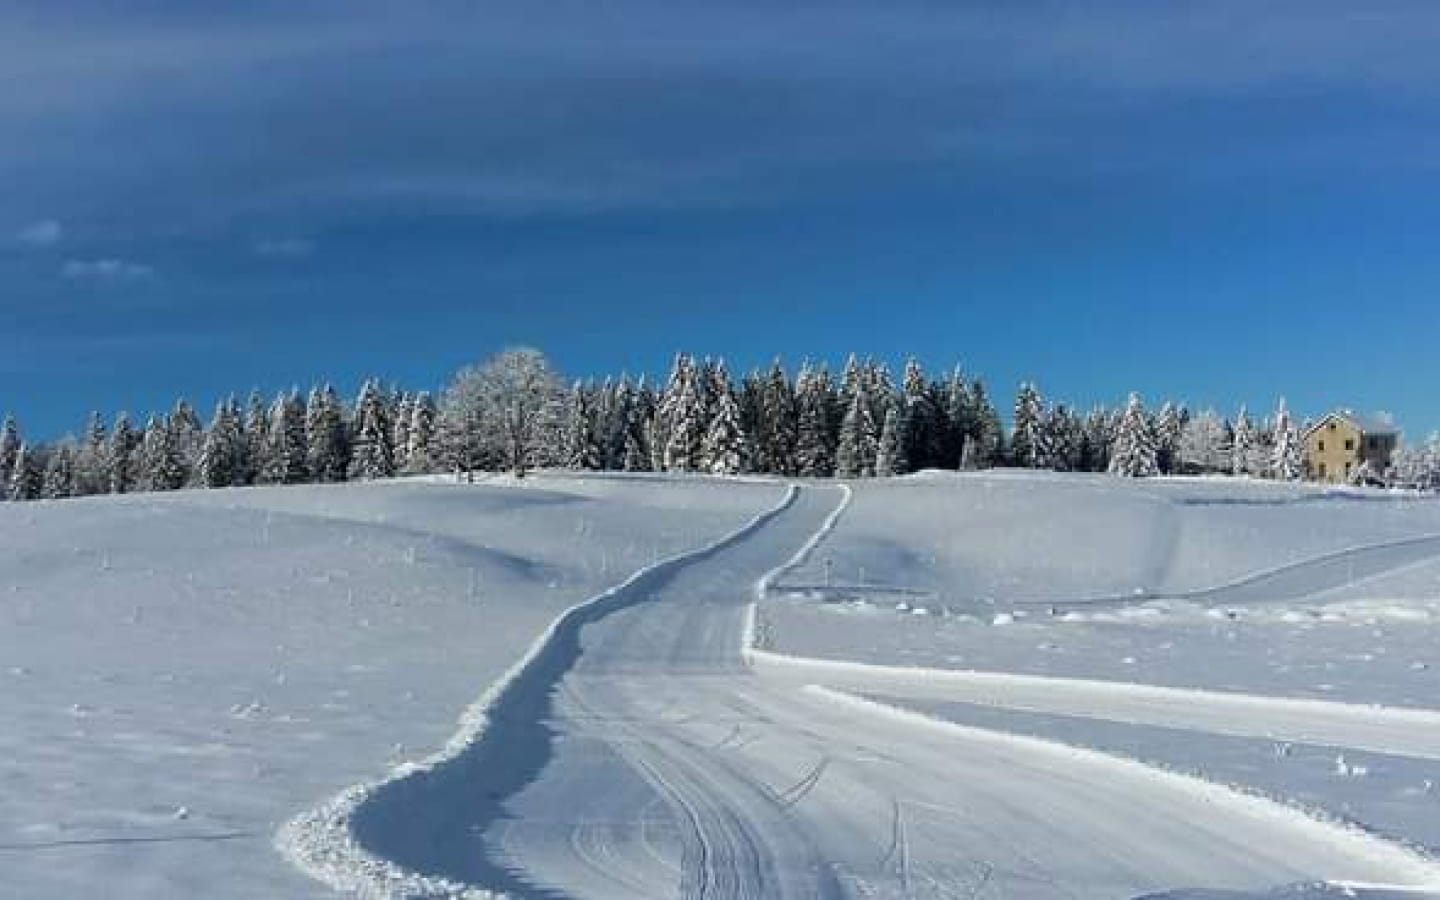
[(1321, 606), (184, 672), (968, 539), (189, 672), (1303, 592), (644, 758)]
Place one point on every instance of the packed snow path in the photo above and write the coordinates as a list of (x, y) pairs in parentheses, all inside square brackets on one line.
[(649, 760)]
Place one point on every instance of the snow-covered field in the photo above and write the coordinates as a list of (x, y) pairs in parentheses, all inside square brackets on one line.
[(1222, 584), (983, 685), (181, 673), (1285, 594)]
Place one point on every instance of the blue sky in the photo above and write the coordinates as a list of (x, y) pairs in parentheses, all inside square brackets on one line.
[(1218, 202)]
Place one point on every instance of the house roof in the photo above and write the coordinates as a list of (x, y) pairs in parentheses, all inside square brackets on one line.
[(1368, 424)]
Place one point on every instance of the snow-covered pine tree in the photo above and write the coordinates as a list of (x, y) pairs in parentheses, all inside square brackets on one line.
[(420, 455), (659, 429), (1060, 440), (149, 451), (604, 397), (920, 441), (1264, 455), (327, 440), (612, 415), (938, 394), (122, 469), (314, 409), (1242, 445), (27, 475), (987, 433), (1287, 461), (58, 481), (583, 450), (890, 452), (218, 455), (91, 463), (1026, 440), (1133, 454), (9, 453), (778, 426), (400, 431), (705, 383), (257, 437), (637, 404), (161, 460), (681, 418), (725, 450), (814, 442), (1095, 441), (750, 397), (188, 434), (371, 454), (960, 422), (852, 378), (283, 461), (858, 441), (1168, 427), (638, 427), (878, 388)]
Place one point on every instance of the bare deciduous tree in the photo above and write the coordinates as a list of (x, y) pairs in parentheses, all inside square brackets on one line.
[(507, 410)]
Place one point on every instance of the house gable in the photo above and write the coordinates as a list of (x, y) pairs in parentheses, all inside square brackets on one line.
[(1366, 425), (1340, 442)]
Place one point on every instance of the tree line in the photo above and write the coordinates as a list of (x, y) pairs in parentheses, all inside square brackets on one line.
[(513, 413)]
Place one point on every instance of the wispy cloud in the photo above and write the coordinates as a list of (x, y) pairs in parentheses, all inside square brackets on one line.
[(285, 248), (107, 270), (44, 233)]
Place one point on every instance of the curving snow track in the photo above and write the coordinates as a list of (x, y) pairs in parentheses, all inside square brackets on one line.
[(660, 764)]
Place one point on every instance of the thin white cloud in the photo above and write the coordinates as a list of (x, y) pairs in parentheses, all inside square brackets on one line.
[(109, 270), (45, 233), (285, 248)]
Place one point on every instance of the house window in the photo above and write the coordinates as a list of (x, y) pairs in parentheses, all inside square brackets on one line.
[(1349, 443), (1324, 471), (1322, 450), (1347, 468), (1332, 426)]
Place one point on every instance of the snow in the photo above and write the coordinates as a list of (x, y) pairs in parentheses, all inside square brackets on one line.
[(1283, 627), (239, 655), (990, 684)]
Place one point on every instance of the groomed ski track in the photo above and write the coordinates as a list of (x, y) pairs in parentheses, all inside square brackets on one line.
[(636, 753)]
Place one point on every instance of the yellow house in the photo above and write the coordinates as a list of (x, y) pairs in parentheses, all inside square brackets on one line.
[(1342, 441)]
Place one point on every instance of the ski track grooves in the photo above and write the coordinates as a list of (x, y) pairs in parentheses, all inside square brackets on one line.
[(322, 842), (779, 787)]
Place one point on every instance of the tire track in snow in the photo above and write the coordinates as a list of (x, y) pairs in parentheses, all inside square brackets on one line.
[(361, 843), (1293, 581), (656, 686), (1406, 869)]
